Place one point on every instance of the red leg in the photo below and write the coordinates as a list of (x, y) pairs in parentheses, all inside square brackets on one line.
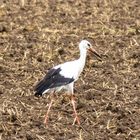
[(75, 112), (47, 115)]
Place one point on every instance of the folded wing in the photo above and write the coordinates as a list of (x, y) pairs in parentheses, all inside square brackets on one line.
[(52, 79)]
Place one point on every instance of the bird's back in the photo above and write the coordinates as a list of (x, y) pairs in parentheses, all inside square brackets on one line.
[(55, 77)]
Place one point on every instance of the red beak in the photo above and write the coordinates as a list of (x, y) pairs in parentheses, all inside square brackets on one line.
[(95, 53)]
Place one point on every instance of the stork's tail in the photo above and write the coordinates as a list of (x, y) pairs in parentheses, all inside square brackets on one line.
[(40, 88)]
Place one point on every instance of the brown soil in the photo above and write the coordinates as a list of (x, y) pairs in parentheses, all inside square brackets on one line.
[(40, 34)]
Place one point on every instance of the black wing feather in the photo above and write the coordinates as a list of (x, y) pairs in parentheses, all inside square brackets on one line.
[(51, 80), (51, 73)]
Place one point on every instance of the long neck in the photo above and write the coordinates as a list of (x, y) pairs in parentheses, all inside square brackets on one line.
[(82, 58)]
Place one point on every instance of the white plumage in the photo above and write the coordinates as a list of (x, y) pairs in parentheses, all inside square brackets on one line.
[(64, 75)]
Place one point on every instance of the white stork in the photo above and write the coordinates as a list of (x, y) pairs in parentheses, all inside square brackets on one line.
[(63, 76)]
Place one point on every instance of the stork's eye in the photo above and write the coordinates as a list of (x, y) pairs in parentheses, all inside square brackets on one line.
[(88, 44)]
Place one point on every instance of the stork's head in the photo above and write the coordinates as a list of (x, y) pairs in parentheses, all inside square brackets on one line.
[(85, 45)]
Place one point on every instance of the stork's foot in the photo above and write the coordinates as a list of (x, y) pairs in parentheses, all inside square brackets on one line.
[(76, 119)]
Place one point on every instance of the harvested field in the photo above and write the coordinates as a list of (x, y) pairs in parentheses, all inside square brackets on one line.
[(40, 34)]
